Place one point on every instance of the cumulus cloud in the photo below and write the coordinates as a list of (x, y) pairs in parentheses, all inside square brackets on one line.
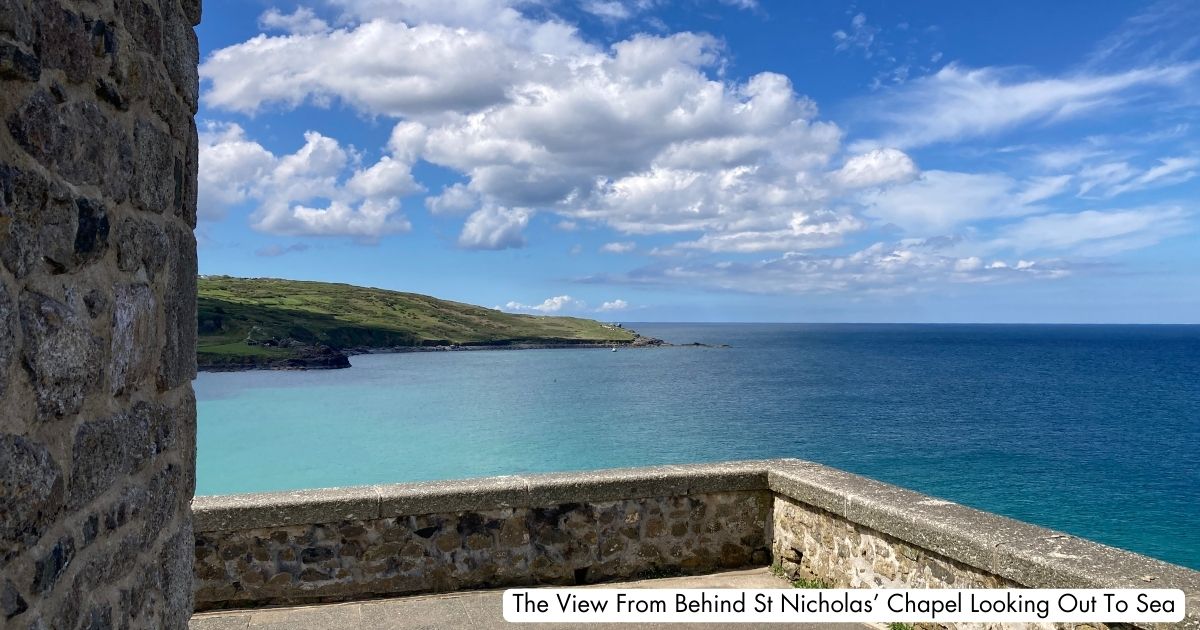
[(614, 305), (639, 137), (456, 199), (549, 305), (409, 70), (801, 231), (495, 227), (306, 193), (875, 168), (230, 169), (648, 136), (302, 21)]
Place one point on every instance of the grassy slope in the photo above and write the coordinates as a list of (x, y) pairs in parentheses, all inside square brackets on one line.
[(345, 316)]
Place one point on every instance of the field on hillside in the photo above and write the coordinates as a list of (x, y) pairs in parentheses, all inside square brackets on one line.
[(243, 321)]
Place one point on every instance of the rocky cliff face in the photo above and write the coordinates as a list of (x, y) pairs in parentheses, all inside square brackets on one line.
[(97, 312)]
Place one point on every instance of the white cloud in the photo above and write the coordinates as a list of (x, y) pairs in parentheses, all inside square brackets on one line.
[(302, 21), (647, 136), (495, 227), (230, 168), (1066, 157), (1104, 176), (645, 142), (622, 247), (861, 36), (639, 137), (302, 193), (501, 17), (366, 221), (608, 10), (454, 199), (1172, 170), (549, 305), (379, 67), (875, 168), (896, 268), (1110, 179), (1164, 29), (959, 102), (615, 305), (386, 178), (941, 200), (1037, 247), (1039, 188), (1093, 232), (801, 231)]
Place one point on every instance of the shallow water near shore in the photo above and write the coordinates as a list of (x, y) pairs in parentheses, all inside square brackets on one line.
[(1094, 430)]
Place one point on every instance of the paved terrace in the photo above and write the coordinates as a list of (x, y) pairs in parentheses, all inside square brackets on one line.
[(480, 610)]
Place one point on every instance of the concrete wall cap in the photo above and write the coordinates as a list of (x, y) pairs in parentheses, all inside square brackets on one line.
[(233, 512), (326, 505)]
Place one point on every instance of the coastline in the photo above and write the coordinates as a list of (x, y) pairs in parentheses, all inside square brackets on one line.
[(326, 358)]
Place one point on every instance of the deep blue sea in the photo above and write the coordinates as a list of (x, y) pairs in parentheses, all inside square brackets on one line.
[(1094, 430)]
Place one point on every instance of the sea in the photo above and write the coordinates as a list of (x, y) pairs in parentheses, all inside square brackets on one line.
[(1092, 430)]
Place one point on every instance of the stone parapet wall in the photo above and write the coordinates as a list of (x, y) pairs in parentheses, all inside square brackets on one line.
[(814, 545), (565, 544), (848, 531), (97, 312), (814, 522), (329, 545)]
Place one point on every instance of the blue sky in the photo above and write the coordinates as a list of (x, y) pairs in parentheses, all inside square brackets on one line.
[(712, 160)]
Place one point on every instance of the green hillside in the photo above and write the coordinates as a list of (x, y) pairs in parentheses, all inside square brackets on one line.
[(255, 322)]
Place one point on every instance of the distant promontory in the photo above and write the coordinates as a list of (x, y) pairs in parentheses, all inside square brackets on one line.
[(267, 323)]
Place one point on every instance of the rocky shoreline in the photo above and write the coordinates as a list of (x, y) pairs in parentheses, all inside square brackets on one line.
[(322, 357)]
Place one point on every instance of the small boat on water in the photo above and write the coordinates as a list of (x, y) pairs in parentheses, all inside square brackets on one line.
[(614, 348)]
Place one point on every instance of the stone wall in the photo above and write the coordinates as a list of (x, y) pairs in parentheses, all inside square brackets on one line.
[(814, 545), (844, 531), (814, 522), (97, 312), (570, 543), (439, 537)]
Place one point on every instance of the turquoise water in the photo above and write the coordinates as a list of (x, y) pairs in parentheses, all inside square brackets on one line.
[(1094, 430)]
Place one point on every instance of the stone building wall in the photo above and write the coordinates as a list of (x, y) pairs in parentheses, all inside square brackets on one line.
[(564, 544), (97, 312)]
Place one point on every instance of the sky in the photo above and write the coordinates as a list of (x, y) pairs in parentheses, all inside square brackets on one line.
[(712, 160)]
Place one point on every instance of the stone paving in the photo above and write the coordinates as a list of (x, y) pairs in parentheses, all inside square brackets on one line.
[(478, 610)]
